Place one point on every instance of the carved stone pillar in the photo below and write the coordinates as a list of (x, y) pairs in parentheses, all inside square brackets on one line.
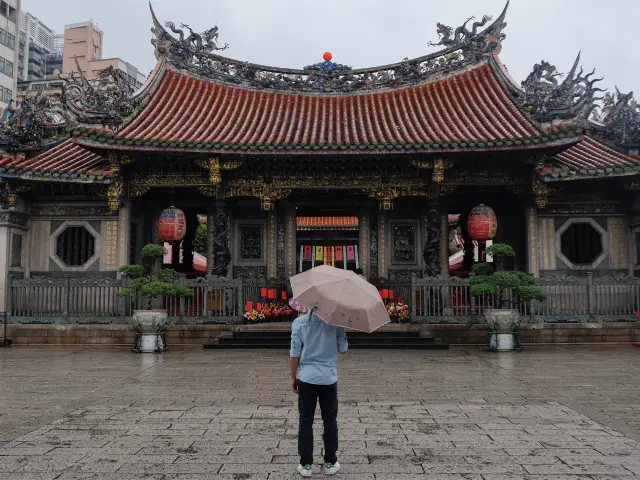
[(383, 240), (364, 228), (221, 254), (124, 232), (272, 244), (531, 219), (290, 242), (469, 250), (211, 231), (444, 240), (434, 239)]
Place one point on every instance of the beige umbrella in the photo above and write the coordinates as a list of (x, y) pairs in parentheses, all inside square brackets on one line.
[(340, 297)]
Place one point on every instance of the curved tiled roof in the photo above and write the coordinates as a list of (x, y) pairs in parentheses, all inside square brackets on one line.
[(465, 111), (67, 161), (589, 158)]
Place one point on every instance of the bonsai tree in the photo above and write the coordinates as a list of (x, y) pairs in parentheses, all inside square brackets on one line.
[(146, 283), (488, 279)]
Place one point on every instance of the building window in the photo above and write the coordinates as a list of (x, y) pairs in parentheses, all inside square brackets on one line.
[(404, 243), (75, 246), (8, 95), (7, 39), (8, 69), (250, 242), (581, 243)]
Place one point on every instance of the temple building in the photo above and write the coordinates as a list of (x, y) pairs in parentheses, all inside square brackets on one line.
[(374, 168)]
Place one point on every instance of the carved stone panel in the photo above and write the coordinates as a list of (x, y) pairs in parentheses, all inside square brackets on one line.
[(618, 242), (547, 244), (16, 250), (110, 249), (404, 239), (39, 245), (432, 250)]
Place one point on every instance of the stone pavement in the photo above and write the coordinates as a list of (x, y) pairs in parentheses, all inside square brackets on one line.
[(105, 414)]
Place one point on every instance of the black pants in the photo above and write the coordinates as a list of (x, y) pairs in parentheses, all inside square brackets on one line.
[(308, 396)]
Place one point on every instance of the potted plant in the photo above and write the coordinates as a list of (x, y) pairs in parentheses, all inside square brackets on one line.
[(398, 312), (501, 288), (151, 324)]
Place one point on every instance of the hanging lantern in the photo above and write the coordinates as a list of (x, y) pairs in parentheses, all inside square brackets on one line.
[(171, 225), (482, 223)]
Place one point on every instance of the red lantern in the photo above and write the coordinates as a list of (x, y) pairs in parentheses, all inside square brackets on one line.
[(482, 223), (327, 56), (171, 225)]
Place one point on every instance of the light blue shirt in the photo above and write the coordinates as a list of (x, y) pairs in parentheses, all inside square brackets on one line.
[(317, 345)]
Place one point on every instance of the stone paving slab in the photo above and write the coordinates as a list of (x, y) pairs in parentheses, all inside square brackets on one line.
[(464, 414)]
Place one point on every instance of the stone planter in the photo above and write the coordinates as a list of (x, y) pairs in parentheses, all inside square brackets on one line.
[(150, 327), (502, 326)]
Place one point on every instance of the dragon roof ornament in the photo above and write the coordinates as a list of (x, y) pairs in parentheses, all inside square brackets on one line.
[(198, 54), (34, 122), (106, 101), (620, 118), (547, 99)]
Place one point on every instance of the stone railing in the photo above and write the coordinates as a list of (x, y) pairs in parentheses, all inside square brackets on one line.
[(68, 299)]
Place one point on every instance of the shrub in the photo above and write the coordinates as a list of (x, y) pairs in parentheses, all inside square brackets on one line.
[(487, 279)]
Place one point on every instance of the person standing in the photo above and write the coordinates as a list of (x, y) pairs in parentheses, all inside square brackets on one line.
[(314, 377)]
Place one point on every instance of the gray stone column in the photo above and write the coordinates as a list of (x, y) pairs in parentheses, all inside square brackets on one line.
[(221, 254), (531, 219), (383, 240), (434, 236), (364, 227), (272, 244), (290, 242), (124, 232), (12, 225), (444, 240)]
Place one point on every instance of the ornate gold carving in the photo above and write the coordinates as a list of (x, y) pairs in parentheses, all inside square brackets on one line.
[(387, 194), (110, 242), (541, 192), (138, 190), (328, 179), (21, 188), (115, 162), (213, 165), (632, 185), (438, 170), (168, 180), (268, 195), (231, 164), (12, 198), (426, 164), (618, 243), (114, 192), (483, 177), (208, 191)]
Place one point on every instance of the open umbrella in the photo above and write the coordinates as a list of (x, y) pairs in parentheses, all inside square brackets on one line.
[(340, 297)]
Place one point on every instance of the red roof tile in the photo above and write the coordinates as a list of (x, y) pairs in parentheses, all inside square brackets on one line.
[(589, 158), (65, 161), (471, 106)]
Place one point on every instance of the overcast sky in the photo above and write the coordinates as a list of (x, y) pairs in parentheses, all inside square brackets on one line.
[(364, 33)]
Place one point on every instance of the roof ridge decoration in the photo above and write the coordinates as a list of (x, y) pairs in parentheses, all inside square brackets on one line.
[(107, 101), (547, 99), (620, 116), (34, 121), (197, 55)]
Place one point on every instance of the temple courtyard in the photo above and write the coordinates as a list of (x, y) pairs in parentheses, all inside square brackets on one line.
[(561, 413)]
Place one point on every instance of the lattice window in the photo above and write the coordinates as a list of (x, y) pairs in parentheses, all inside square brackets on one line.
[(581, 243), (75, 246), (250, 242), (404, 243)]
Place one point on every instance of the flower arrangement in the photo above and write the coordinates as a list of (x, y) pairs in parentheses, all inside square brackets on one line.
[(398, 312), (253, 316)]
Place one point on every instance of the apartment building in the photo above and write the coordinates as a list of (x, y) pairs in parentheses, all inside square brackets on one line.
[(9, 16)]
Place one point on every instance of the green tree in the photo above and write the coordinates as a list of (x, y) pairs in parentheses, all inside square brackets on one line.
[(161, 284), (200, 242), (487, 279)]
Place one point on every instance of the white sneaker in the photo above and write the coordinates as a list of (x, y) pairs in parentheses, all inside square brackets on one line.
[(331, 468), (305, 470)]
